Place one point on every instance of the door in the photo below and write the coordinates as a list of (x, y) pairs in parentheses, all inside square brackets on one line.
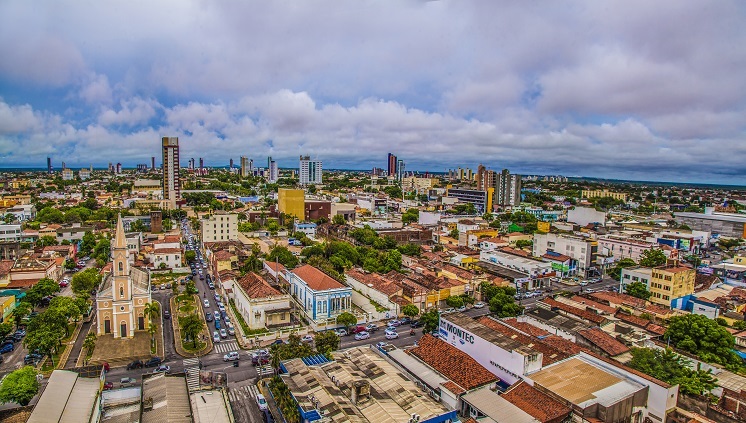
[(141, 323), (123, 330), (107, 326)]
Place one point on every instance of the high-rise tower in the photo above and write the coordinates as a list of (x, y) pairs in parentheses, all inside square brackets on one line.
[(171, 182)]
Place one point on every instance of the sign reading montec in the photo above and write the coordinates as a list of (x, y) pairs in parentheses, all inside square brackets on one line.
[(460, 333)]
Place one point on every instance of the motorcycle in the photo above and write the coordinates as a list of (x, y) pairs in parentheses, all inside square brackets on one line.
[(411, 332)]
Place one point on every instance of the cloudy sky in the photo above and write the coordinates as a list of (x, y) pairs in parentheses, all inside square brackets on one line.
[(630, 89)]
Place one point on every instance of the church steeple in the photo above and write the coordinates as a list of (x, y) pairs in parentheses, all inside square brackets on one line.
[(120, 241)]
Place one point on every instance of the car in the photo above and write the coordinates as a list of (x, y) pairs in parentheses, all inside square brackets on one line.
[(230, 328), (211, 286), (341, 332), (216, 336), (127, 381), (162, 369), (261, 402), (306, 338), (6, 348), (217, 323), (449, 310), (259, 359), (479, 304), (381, 344), (583, 283), (358, 329), (208, 317), (391, 335), (371, 327), (21, 332), (166, 314), (9, 339), (217, 298), (155, 361), (32, 358), (216, 314), (390, 330), (168, 286), (207, 303), (461, 309), (137, 364), (362, 335), (63, 283), (232, 356), (416, 324), (108, 385), (405, 320), (221, 307), (223, 333), (393, 323), (16, 336), (277, 342), (594, 280)]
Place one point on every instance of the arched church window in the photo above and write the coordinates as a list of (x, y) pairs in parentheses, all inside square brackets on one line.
[(121, 291), (121, 266)]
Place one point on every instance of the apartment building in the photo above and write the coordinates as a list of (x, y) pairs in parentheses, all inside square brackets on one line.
[(580, 249), (603, 193), (291, 202), (670, 282), (635, 274), (220, 226), (618, 247)]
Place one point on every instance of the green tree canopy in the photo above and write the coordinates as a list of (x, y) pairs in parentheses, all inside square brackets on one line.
[(282, 255), (410, 310), (326, 341), (430, 320), (86, 281), (20, 386), (624, 263), (191, 326), (410, 216), (637, 289), (46, 241), (672, 368), (500, 299), (346, 319), (696, 334), (652, 258), (454, 301)]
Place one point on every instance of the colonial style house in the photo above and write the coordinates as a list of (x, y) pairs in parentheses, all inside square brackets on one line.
[(320, 296)]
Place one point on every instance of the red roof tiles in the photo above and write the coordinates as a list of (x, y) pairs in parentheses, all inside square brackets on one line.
[(617, 298), (316, 279), (452, 363), (537, 404), (549, 354), (583, 314), (592, 304), (603, 341), (5, 266), (526, 327), (256, 287)]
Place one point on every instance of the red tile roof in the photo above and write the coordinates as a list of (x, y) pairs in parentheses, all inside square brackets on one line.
[(451, 386), (5, 266), (537, 404), (277, 267), (565, 345), (617, 298), (167, 251), (375, 281), (223, 255), (452, 363), (257, 287), (593, 304), (633, 320), (549, 354), (23, 283), (583, 314), (604, 341), (316, 279), (526, 327)]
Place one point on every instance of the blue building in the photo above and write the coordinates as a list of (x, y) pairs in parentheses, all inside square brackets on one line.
[(320, 296)]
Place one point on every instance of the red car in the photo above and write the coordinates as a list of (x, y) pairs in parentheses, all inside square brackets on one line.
[(108, 385), (357, 329)]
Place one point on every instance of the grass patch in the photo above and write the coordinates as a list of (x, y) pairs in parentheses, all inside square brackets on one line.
[(186, 308), (189, 346), (185, 298), (379, 308), (246, 330)]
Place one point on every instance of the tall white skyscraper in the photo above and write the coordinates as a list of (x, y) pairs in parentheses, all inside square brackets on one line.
[(310, 171), (171, 182), (274, 172)]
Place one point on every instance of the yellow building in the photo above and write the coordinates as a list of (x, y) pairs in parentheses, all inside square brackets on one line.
[(7, 304), (669, 282), (420, 185), (292, 202), (601, 193), (20, 199)]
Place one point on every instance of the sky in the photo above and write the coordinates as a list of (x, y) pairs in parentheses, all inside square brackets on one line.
[(642, 90)]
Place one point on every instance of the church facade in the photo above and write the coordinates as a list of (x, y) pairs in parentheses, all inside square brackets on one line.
[(120, 303)]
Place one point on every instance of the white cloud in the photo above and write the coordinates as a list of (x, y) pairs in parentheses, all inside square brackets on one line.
[(131, 112)]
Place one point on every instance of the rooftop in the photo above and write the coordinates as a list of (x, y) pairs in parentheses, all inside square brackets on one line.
[(256, 287), (316, 279), (604, 341), (452, 363), (539, 405), (170, 399)]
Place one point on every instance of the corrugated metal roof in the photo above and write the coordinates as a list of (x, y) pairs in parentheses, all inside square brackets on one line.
[(170, 399), (84, 396), (427, 375), (497, 408), (52, 403)]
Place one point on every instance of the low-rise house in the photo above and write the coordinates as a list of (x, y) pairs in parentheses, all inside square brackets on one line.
[(574, 312), (377, 288), (600, 342), (321, 297), (28, 271), (5, 267), (166, 258), (260, 304)]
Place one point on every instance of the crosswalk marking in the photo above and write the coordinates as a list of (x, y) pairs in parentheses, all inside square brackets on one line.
[(242, 393), (191, 366), (224, 347), (189, 362)]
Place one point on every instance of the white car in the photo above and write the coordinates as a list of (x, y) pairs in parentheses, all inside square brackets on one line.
[(341, 332), (207, 303), (261, 402), (215, 336), (232, 356), (231, 329), (478, 304), (362, 335), (307, 338), (223, 333), (391, 335)]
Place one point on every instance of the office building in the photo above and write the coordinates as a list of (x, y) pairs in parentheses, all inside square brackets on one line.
[(191, 164), (84, 174), (201, 163), (400, 169), (230, 163), (64, 166), (670, 282), (603, 193), (310, 171), (392, 163), (582, 250), (485, 178), (274, 172), (291, 202), (152, 162), (507, 189), (171, 182), (247, 167), (50, 169), (220, 226), (725, 224), (67, 175), (482, 200)]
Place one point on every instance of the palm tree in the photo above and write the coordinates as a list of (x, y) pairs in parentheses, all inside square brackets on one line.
[(152, 310), (152, 329)]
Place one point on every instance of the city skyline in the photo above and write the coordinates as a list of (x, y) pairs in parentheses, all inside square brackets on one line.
[(632, 91)]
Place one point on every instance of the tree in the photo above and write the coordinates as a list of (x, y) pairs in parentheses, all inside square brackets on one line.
[(284, 256), (87, 243), (430, 321), (20, 386), (637, 289), (45, 339), (522, 243), (410, 216), (652, 258), (410, 249), (410, 310), (44, 288), (189, 256), (152, 311), (67, 307), (83, 283), (347, 319), (326, 341), (624, 263), (338, 219), (696, 334), (90, 342), (5, 329), (190, 288), (501, 300), (46, 241), (453, 233), (192, 325), (672, 368), (22, 310), (454, 301)]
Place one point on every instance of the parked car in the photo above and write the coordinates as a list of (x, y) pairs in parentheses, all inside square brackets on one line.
[(231, 330), (461, 309), (166, 314), (341, 332), (261, 402), (391, 335), (405, 320), (155, 361), (208, 317), (223, 333), (371, 327), (307, 338), (277, 342), (416, 324), (393, 323), (127, 381), (232, 356), (479, 304), (207, 303), (449, 310), (362, 335), (357, 329), (216, 336), (6, 348), (217, 323), (162, 369), (137, 364), (32, 358), (381, 344), (216, 314)]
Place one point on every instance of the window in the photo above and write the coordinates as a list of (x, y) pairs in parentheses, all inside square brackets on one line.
[(121, 291), (121, 266)]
